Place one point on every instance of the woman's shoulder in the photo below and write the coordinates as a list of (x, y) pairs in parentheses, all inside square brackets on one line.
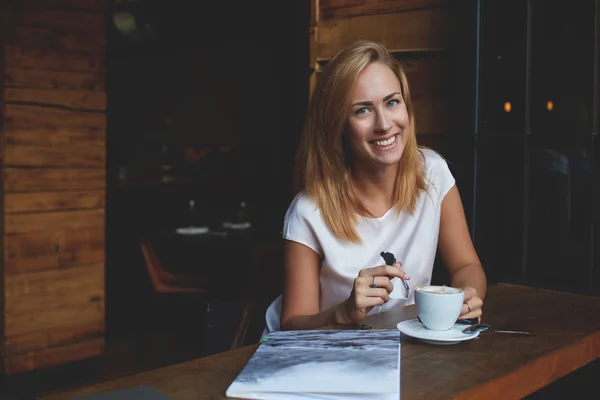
[(303, 205), (432, 158), (437, 171)]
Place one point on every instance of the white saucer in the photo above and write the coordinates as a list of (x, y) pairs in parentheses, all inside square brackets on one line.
[(415, 329)]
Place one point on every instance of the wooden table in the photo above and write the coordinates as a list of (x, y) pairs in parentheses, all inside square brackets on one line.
[(496, 366)]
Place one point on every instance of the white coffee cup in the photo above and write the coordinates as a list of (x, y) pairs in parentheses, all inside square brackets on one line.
[(438, 307)]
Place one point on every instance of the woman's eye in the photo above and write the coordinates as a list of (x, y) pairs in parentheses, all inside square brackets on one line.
[(361, 111), (393, 102)]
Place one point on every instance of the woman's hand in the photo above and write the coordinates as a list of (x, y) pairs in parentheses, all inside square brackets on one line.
[(472, 304), (371, 288)]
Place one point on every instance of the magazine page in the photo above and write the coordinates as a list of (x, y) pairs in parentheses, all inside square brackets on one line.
[(322, 364)]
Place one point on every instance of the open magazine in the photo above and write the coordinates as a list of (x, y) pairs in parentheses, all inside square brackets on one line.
[(323, 364)]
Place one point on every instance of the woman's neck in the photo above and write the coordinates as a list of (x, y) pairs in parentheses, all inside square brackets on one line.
[(375, 189)]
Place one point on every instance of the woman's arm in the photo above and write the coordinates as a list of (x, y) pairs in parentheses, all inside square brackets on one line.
[(458, 253), (300, 308)]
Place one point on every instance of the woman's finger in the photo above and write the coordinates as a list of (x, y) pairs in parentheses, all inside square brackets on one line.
[(366, 302), (469, 292), (475, 313), (378, 292), (382, 282), (471, 305), (390, 271)]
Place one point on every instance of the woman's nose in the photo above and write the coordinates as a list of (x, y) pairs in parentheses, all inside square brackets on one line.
[(382, 123)]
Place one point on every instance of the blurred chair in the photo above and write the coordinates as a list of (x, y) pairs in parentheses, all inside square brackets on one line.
[(267, 286), (166, 282), (204, 292)]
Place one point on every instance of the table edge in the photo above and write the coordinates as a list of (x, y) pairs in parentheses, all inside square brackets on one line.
[(548, 368)]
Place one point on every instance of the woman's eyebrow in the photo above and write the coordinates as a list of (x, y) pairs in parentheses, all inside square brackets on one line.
[(370, 103)]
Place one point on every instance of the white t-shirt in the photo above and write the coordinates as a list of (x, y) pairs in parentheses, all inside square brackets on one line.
[(411, 238)]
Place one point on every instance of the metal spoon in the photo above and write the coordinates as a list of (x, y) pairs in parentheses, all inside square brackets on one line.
[(485, 327)]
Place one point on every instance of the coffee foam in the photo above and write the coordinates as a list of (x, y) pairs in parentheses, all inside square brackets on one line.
[(438, 289)]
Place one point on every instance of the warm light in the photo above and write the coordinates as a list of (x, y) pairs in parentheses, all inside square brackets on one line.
[(508, 106), (549, 105), (124, 21)]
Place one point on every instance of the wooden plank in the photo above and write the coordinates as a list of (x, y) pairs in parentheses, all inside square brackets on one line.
[(75, 155), (46, 179), (331, 9), (53, 356), (88, 5), (433, 114), (53, 337), (54, 249), (41, 303), (53, 201), (57, 20), (427, 75), (38, 301), (47, 318), (72, 99), (36, 244), (49, 39), (58, 260), (45, 79), (53, 221), (422, 30), (47, 126), (15, 56)]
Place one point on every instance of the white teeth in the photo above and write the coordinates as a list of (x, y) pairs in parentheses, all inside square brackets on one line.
[(384, 143)]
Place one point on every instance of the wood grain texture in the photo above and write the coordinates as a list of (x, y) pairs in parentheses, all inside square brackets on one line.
[(38, 301), (495, 367), (75, 100), (52, 221), (332, 9), (53, 249), (422, 30), (72, 61), (83, 5), (45, 79), (54, 201), (54, 337), (53, 179), (72, 155), (52, 356), (56, 20), (432, 114), (427, 75), (44, 126), (54, 170), (48, 38)]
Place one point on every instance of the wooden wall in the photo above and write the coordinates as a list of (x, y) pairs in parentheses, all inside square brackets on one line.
[(53, 144), (420, 32)]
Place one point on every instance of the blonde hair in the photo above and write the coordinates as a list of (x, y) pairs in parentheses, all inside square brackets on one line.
[(322, 167)]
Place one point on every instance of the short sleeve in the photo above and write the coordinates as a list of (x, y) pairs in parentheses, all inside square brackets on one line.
[(439, 173), (445, 177), (299, 223)]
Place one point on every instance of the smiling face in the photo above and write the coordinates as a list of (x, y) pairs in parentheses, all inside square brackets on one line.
[(378, 124)]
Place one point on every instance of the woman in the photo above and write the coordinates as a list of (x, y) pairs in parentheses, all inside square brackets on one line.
[(365, 188)]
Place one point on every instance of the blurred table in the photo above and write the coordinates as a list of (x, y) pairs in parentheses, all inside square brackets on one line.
[(216, 254), (496, 366)]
